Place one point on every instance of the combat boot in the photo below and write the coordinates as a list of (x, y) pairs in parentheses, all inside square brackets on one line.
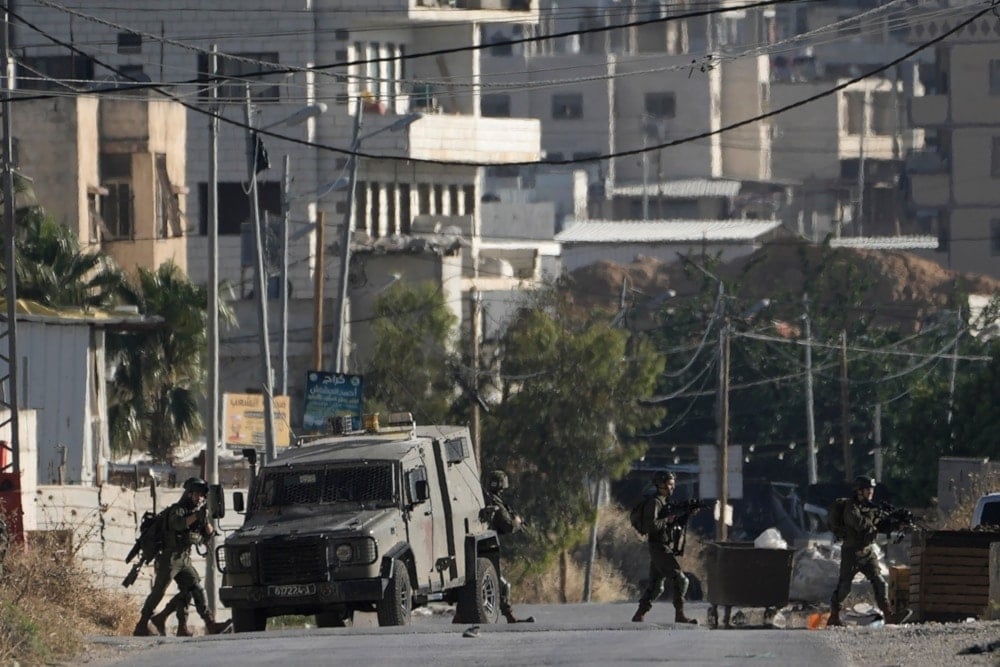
[(834, 619), (159, 621), (640, 613), (679, 616), (183, 630), (212, 627), (142, 627), (509, 615), (888, 613)]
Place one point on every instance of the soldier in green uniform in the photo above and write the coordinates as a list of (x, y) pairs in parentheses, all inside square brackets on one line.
[(861, 525), (662, 561), (501, 518), (186, 525)]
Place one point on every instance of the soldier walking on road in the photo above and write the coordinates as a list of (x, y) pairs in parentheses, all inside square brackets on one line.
[(187, 524), (662, 560), (501, 518), (860, 527)]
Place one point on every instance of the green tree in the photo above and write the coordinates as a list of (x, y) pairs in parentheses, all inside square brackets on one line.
[(568, 417), (412, 359), (54, 271), (159, 371)]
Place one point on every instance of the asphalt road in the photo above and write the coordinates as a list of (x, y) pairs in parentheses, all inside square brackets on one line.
[(577, 634)]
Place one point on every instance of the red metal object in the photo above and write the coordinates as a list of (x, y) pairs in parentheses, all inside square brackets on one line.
[(10, 501)]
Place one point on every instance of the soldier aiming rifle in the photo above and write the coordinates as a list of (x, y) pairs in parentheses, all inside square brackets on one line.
[(501, 518)]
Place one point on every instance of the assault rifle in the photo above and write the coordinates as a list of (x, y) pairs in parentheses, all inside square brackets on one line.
[(145, 548), (897, 519), (682, 511)]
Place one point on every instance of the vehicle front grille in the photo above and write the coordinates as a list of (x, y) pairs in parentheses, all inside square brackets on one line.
[(293, 561)]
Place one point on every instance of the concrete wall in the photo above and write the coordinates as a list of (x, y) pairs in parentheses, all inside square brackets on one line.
[(103, 522)]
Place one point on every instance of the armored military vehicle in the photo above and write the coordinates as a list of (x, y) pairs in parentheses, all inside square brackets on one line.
[(383, 520)]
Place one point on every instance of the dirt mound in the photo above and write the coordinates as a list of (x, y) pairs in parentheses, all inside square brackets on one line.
[(897, 289)]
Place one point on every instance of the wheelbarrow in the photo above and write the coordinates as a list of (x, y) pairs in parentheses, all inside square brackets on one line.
[(741, 575)]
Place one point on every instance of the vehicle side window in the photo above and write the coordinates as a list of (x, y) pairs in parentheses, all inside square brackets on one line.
[(991, 514), (412, 477)]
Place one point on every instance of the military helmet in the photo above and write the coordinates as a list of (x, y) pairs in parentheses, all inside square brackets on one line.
[(196, 484), (862, 482), (498, 481), (662, 477)]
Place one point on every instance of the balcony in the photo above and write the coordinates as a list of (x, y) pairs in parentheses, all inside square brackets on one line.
[(525, 11), (929, 110), (930, 190), (457, 138)]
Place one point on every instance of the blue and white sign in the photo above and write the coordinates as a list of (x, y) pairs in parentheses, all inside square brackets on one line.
[(332, 395)]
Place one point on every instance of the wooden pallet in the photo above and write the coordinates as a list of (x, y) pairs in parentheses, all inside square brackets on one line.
[(949, 574)]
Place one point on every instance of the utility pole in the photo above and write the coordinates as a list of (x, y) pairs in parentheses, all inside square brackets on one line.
[(212, 436), (845, 427), (285, 221), (861, 164), (345, 247), (722, 403), (474, 306), (878, 442), (260, 286), (10, 253), (318, 280), (954, 367), (810, 417)]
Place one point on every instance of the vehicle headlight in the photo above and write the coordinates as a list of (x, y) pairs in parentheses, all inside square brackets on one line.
[(245, 559), (344, 552)]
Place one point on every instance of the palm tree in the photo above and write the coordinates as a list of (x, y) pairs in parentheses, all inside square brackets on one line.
[(160, 372), (53, 270)]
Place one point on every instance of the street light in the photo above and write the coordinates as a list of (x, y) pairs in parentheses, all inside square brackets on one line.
[(345, 230), (299, 116)]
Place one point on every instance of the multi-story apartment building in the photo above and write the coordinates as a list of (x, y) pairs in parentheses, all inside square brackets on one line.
[(112, 170), (846, 149), (291, 54), (953, 184)]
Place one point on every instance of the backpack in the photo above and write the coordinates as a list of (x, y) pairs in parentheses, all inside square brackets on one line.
[(835, 518), (152, 531), (636, 516)]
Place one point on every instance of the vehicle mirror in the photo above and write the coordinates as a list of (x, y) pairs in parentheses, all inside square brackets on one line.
[(238, 501), (218, 497)]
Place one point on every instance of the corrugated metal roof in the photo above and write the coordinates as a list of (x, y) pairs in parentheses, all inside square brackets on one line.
[(640, 231), (686, 188), (887, 242)]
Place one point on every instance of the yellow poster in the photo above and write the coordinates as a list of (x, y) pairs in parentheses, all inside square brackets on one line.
[(245, 420)]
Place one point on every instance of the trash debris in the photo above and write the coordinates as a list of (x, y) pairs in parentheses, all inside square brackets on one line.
[(471, 632), (770, 539)]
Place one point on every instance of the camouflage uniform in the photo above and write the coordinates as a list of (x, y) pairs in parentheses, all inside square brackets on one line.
[(662, 561), (861, 526), (174, 562), (500, 517)]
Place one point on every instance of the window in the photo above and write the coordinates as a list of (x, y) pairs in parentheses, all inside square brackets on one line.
[(567, 106), (995, 237), (495, 106), (129, 42), (49, 72), (995, 158), (376, 208), (117, 205), (166, 206), (855, 103), (469, 197), (453, 200), (995, 77), (438, 199), (250, 68), (423, 199), (883, 113), (661, 105), (234, 205), (392, 225)]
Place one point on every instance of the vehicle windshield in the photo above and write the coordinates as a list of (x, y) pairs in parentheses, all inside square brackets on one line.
[(369, 484)]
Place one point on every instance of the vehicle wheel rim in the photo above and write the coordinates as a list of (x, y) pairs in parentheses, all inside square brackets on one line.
[(404, 598), (489, 596)]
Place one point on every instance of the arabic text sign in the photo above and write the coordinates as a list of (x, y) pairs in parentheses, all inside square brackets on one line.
[(331, 395), (245, 420)]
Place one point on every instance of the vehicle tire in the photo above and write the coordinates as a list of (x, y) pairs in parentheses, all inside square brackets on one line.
[(479, 601), (339, 617), (249, 620), (397, 601)]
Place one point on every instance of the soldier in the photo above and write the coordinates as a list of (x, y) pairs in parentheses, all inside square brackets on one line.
[(861, 522), (501, 518), (662, 561), (187, 524)]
